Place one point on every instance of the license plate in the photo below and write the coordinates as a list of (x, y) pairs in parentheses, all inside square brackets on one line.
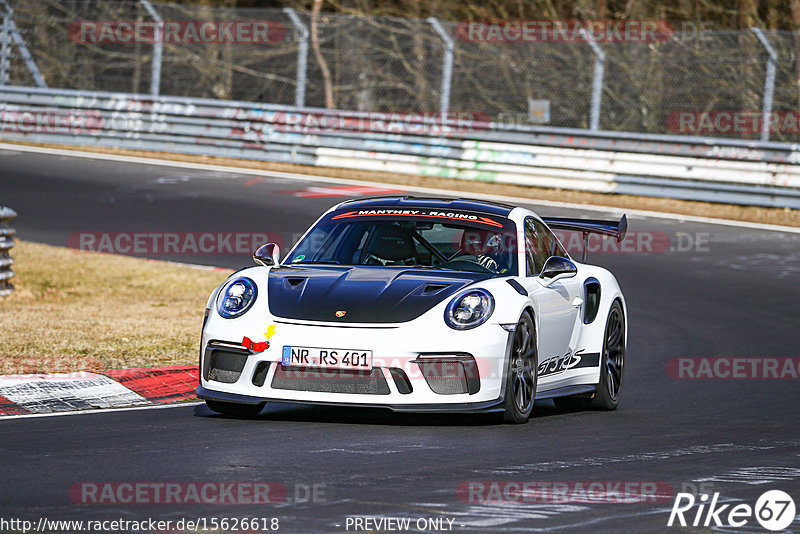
[(327, 358)]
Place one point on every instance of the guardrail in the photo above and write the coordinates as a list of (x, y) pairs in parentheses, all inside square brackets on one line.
[(6, 244), (461, 146)]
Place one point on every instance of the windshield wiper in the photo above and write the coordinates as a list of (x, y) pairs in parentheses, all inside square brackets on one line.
[(437, 267)]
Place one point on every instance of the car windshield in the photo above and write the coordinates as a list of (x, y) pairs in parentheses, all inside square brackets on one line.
[(411, 238)]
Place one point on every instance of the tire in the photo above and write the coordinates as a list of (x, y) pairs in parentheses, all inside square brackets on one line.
[(521, 377), (612, 361), (234, 409)]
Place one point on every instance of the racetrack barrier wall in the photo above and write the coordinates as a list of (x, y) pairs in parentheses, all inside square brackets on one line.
[(6, 244), (463, 145)]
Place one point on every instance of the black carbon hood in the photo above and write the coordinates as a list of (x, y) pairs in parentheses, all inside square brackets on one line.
[(364, 294)]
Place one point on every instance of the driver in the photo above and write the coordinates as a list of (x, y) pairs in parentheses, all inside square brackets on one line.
[(487, 247)]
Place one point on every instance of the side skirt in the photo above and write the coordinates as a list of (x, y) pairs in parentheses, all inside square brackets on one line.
[(567, 391)]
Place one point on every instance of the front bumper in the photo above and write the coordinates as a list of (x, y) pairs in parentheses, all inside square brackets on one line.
[(405, 376), (492, 406)]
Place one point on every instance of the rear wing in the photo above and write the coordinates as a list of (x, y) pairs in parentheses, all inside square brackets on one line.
[(616, 230)]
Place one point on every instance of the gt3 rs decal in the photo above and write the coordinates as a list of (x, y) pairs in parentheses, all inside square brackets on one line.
[(456, 216), (558, 364)]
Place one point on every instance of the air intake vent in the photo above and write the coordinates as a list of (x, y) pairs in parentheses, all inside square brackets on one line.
[(330, 380), (225, 366), (294, 282), (430, 289), (401, 381), (450, 375), (260, 374)]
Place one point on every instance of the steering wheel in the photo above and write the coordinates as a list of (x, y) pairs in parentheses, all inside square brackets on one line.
[(462, 264)]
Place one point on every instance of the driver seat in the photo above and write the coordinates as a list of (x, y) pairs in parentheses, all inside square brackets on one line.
[(388, 244)]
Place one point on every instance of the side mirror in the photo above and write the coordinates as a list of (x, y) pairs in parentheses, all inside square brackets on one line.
[(557, 268), (267, 255)]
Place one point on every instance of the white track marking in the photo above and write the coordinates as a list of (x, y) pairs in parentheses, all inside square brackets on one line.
[(64, 392), (755, 476), (101, 410), (428, 190), (636, 457)]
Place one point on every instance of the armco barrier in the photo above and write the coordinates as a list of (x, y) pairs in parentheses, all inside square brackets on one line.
[(696, 168), (6, 243)]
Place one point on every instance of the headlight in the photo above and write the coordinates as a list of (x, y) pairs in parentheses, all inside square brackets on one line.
[(469, 309), (236, 297)]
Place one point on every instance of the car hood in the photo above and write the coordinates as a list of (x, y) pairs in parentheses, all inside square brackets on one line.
[(358, 294)]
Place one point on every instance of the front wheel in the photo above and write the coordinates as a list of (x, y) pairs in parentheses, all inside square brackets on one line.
[(521, 378), (234, 409)]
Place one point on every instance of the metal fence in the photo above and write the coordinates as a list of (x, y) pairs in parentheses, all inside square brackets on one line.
[(727, 171), (409, 65), (6, 244)]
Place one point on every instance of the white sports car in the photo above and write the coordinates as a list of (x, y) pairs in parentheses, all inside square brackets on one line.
[(419, 304)]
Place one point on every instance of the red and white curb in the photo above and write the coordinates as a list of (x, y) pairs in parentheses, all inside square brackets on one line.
[(117, 388)]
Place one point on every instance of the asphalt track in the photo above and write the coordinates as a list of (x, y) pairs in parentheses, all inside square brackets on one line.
[(714, 291)]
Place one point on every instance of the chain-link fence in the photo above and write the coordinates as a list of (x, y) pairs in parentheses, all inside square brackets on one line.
[(686, 84)]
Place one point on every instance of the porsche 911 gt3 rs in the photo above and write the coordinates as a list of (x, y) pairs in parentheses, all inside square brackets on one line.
[(419, 305)]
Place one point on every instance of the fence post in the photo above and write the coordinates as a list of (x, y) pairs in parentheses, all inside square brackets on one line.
[(302, 57), (5, 46), (769, 82), (158, 48), (447, 65), (6, 243), (14, 34), (597, 81)]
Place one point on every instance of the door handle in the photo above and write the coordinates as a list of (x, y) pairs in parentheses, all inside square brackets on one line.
[(577, 303)]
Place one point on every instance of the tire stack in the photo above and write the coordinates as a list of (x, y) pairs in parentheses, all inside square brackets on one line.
[(6, 244)]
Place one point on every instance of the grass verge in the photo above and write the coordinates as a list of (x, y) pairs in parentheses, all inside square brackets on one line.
[(78, 311)]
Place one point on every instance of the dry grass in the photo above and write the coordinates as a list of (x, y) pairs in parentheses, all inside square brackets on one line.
[(781, 216), (79, 311)]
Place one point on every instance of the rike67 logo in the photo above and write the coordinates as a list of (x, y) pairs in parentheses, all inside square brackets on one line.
[(774, 510)]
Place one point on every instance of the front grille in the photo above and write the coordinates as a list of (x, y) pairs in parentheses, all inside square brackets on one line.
[(225, 366), (330, 380)]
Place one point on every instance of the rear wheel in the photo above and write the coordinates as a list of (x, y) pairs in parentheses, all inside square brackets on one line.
[(612, 362), (521, 380), (234, 409)]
